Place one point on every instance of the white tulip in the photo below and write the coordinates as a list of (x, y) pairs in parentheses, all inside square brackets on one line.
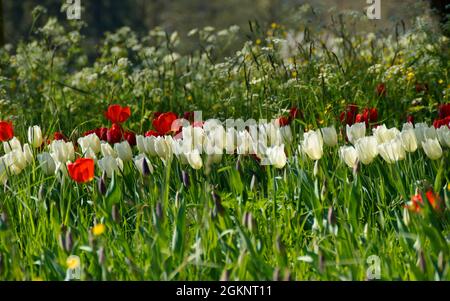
[(35, 136), (107, 150), (408, 126), (15, 161), (139, 163), (111, 165), (123, 150), (230, 144), (408, 139), (367, 149), (178, 150), (443, 134), (28, 153), (432, 148), (392, 151), (13, 144), (244, 143), (163, 148), (62, 151), (349, 155), (146, 145), (194, 159), (276, 156), (384, 134), (286, 133), (46, 163), (90, 141), (356, 131), (424, 132), (329, 135), (313, 144)]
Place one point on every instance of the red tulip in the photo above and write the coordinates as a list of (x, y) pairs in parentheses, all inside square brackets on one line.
[(444, 110), (440, 122), (130, 137), (114, 134), (102, 133), (6, 131), (381, 90), (151, 133), (283, 121), (82, 170), (433, 199), (410, 119), (59, 136), (294, 113), (189, 116), (349, 115), (117, 113), (368, 115), (163, 123)]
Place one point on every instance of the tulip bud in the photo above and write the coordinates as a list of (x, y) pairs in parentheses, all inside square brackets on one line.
[(329, 135), (101, 255), (115, 214), (406, 217), (225, 276), (68, 241), (35, 136), (276, 274), (143, 165), (159, 211), (422, 262), (185, 179), (287, 275), (194, 159), (253, 182), (102, 185), (276, 156), (321, 262), (313, 144), (249, 221), (432, 148), (441, 261), (218, 208), (331, 217), (41, 192)]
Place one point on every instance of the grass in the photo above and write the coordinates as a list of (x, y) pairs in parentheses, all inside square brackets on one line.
[(238, 220)]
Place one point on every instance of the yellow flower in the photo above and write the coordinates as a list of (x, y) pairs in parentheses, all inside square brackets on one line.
[(189, 97), (73, 262), (273, 25), (410, 76), (258, 41), (294, 73), (441, 81), (448, 187), (98, 229)]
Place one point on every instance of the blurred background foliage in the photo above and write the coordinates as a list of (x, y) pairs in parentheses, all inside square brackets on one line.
[(183, 15)]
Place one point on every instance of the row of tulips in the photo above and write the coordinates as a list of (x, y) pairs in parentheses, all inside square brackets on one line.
[(265, 142)]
